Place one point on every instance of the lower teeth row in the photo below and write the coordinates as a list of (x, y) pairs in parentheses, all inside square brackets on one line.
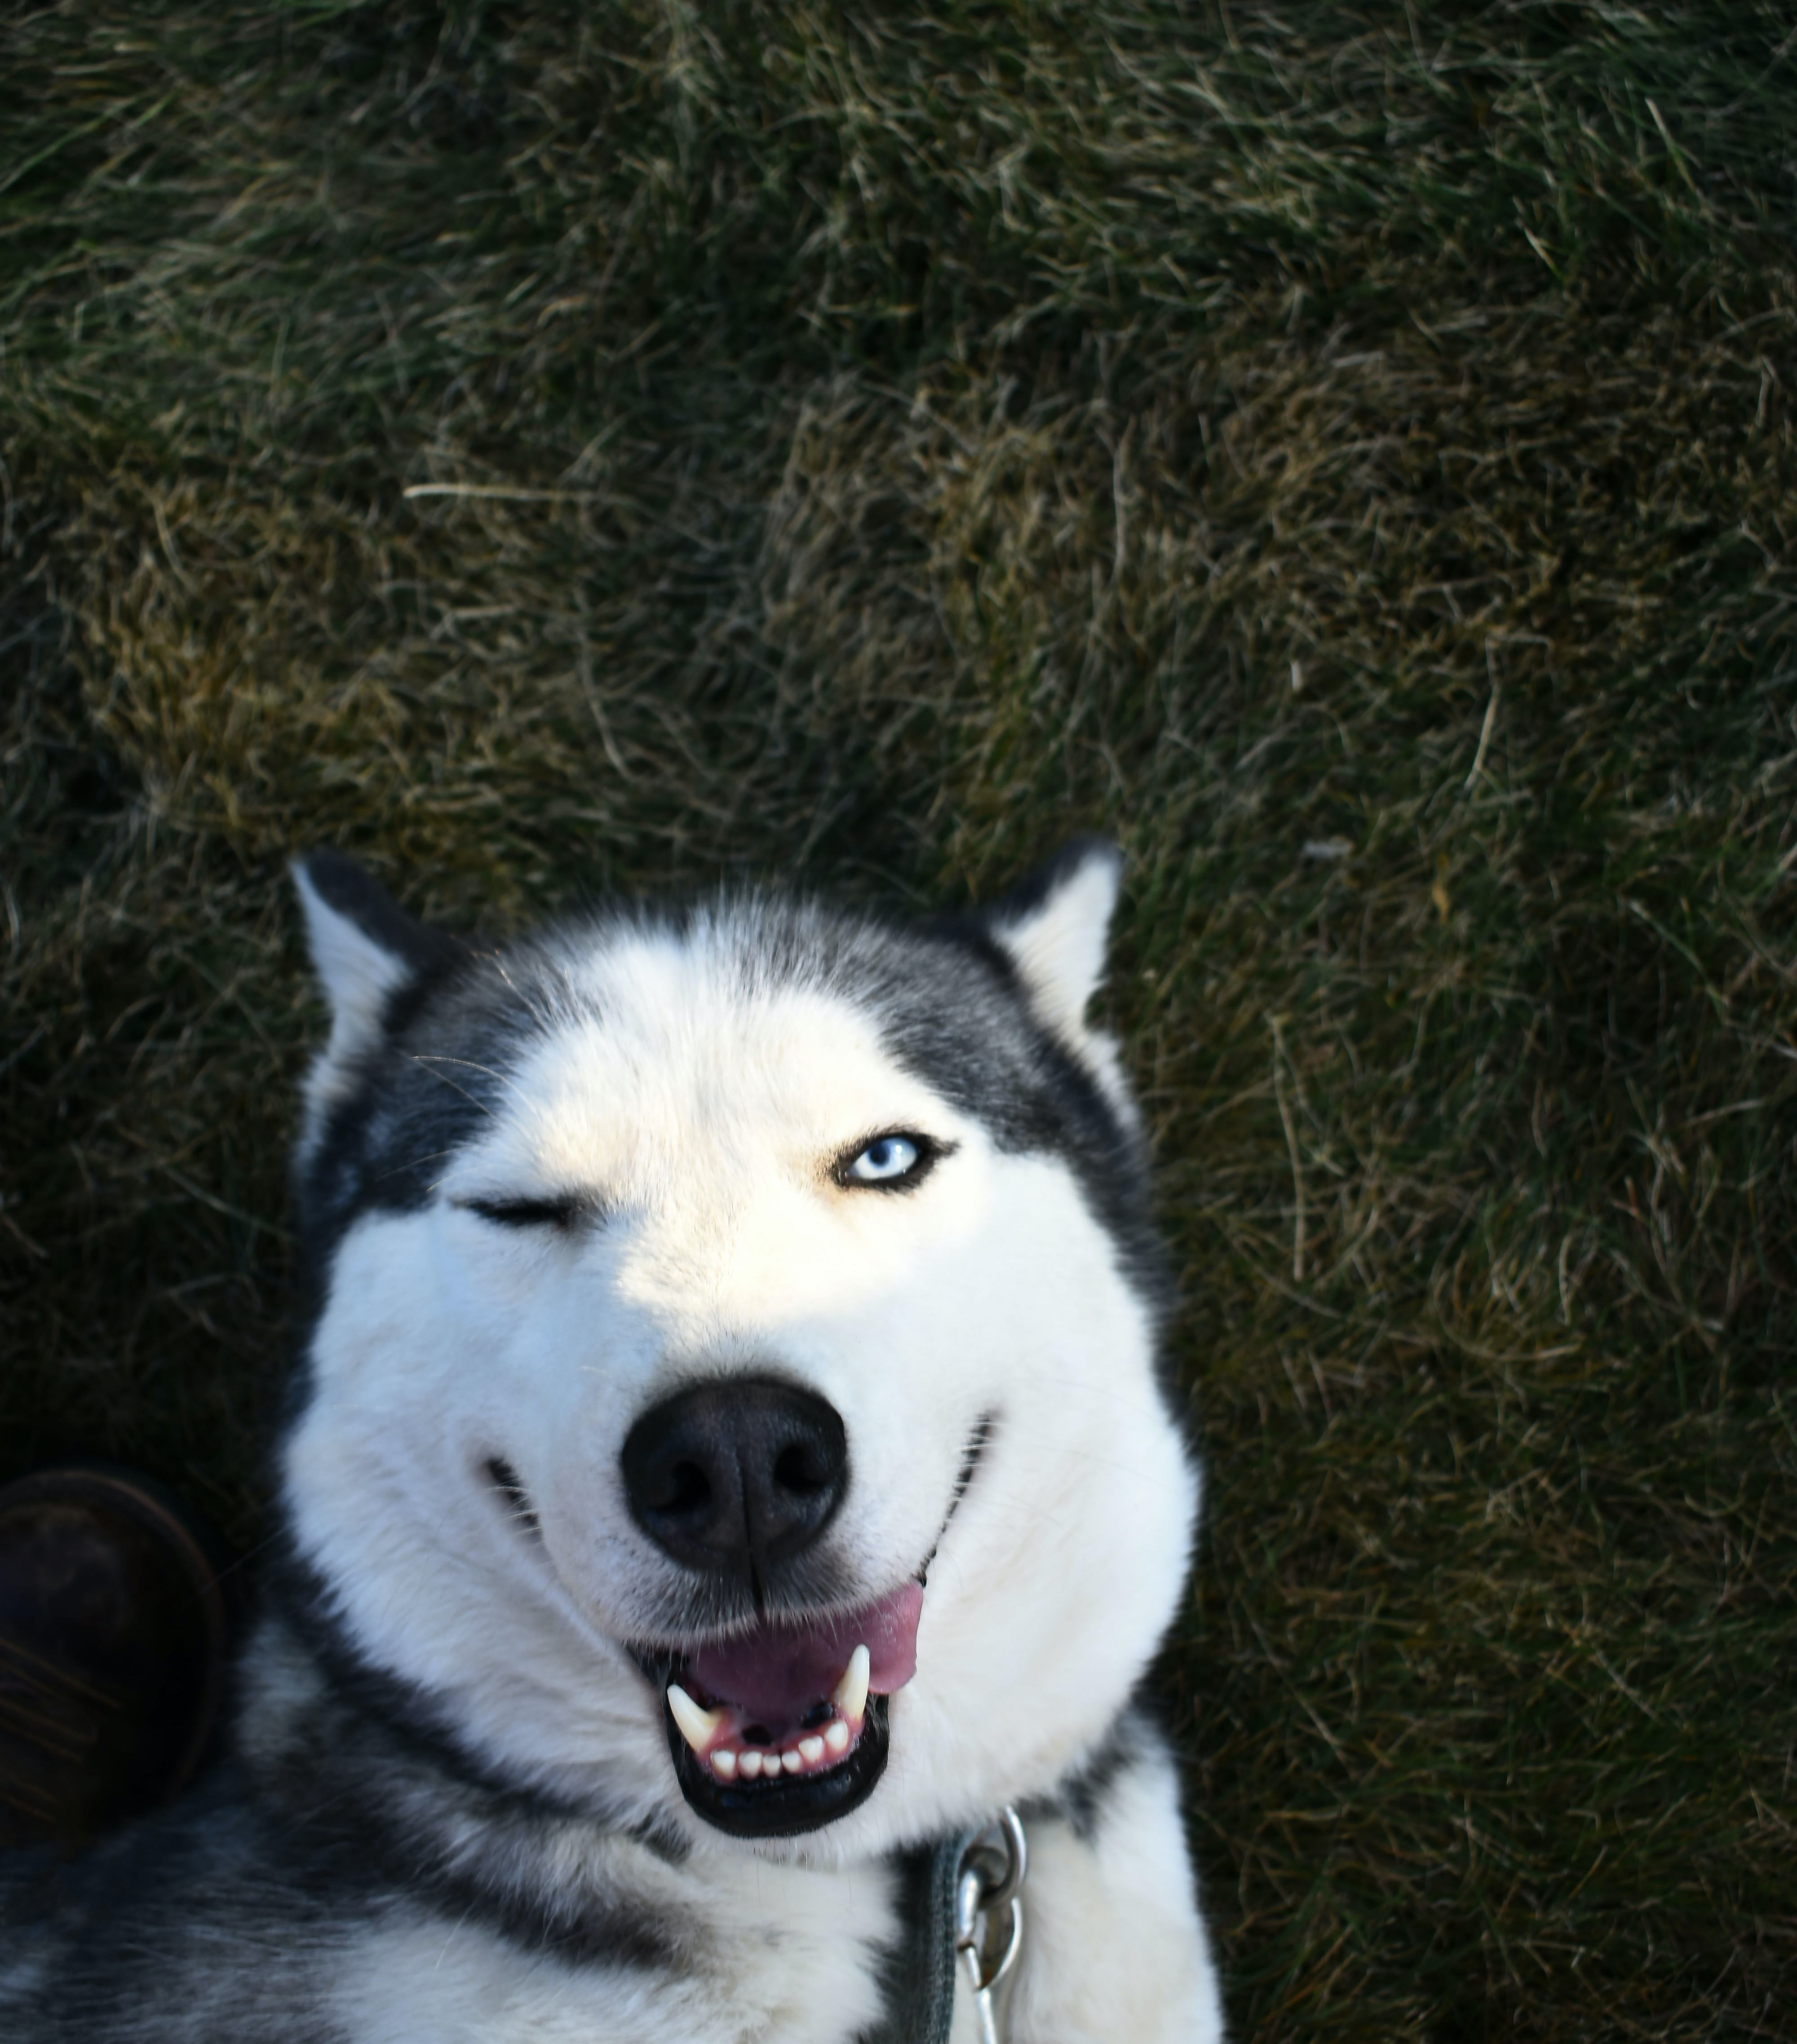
[(700, 1727), (751, 1762)]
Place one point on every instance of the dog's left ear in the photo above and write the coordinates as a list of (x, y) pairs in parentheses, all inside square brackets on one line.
[(1054, 927)]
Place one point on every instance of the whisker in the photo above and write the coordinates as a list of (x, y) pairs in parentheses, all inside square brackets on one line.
[(411, 1164), (471, 1064)]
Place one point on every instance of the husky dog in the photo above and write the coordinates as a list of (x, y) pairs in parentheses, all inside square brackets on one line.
[(728, 1458)]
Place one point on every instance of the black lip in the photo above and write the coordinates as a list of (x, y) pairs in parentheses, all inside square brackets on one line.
[(793, 1804)]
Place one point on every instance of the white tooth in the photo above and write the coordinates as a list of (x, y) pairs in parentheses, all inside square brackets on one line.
[(811, 1750), (697, 1727), (836, 1737), (850, 1695), (724, 1764), (790, 1761), (750, 1763)]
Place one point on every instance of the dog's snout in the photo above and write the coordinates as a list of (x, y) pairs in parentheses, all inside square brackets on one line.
[(736, 1474)]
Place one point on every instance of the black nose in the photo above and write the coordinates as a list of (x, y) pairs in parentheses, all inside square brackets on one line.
[(741, 1471)]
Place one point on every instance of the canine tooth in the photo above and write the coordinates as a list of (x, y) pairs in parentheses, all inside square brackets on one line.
[(697, 1727), (790, 1761), (724, 1764), (750, 1763), (836, 1737), (850, 1695), (811, 1750)]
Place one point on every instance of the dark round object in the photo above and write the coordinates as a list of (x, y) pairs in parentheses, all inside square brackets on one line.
[(736, 1474), (114, 1630)]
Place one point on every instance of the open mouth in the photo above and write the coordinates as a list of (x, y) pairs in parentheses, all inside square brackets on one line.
[(785, 1728)]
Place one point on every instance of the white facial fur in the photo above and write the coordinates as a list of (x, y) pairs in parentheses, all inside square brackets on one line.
[(703, 1112)]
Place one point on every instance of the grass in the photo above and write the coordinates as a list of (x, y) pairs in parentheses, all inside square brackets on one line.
[(1344, 451)]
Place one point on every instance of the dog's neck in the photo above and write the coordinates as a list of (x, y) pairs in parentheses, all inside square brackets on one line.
[(351, 1769)]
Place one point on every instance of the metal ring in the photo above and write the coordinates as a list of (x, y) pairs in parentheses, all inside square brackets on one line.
[(968, 1909), (983, 1982), (1003, 1842)]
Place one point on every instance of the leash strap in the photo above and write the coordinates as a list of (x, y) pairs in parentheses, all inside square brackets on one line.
[(920, 1981)]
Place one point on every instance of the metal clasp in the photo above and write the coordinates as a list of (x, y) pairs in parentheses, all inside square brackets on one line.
[(989, 1917)]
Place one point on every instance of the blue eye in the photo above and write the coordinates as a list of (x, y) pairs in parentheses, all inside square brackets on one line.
[(885, 1161)]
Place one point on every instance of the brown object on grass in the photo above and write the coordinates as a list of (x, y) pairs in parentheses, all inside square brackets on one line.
[(113, 1633)]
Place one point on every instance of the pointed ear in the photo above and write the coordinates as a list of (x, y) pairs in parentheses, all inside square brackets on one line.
[(1054, 927), (364, 946)]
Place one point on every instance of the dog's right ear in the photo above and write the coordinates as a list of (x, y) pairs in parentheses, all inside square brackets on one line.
[(1054, 926), (364, 946)]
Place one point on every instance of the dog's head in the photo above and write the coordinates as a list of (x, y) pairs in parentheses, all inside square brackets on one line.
[(732, 1388)]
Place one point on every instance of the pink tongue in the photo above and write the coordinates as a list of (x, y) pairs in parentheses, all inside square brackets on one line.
[(781, 1670)]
